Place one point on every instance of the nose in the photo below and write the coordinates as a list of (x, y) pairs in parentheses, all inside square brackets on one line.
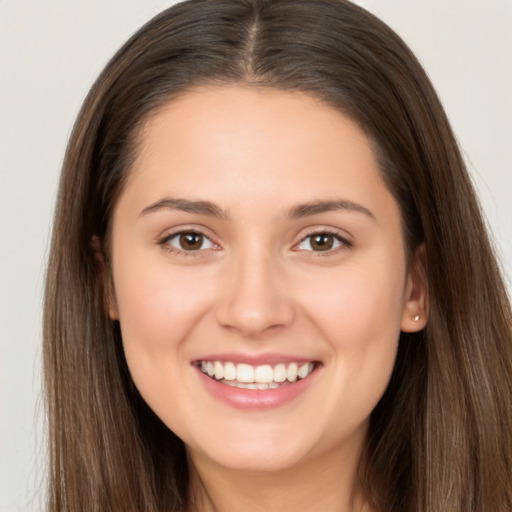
[(256, 298)]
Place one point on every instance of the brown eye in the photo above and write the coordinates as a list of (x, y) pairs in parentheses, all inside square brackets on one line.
[(191, 241), (322, 242)]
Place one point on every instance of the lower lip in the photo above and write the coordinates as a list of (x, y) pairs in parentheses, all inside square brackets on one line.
[(256, 398)]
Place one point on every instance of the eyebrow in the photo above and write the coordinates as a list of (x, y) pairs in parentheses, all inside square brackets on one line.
[(297, 212), (317, 207), (187, 205)]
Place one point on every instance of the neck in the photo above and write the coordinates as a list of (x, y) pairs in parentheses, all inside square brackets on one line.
[(329, 484)]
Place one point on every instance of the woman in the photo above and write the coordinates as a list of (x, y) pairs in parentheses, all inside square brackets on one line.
[(270, 285)]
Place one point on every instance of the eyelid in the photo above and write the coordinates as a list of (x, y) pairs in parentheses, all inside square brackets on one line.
[(163, 240), (185, 228), (178, 235), (341, 236)]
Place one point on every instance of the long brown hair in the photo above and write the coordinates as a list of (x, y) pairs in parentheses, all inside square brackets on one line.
[(441, 437)]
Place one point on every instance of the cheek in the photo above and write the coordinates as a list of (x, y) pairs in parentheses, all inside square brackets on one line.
[(158, 306), (358, 305), (359, 314)]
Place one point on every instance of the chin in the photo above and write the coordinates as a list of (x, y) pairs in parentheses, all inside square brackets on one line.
[(257, 455)]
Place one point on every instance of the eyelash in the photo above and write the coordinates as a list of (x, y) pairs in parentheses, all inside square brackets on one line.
[(164, 242), (344, 243)]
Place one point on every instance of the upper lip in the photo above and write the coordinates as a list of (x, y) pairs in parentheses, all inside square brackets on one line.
[(256, 360)]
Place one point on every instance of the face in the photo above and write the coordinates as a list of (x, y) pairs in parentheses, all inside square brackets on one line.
[(260, 277)]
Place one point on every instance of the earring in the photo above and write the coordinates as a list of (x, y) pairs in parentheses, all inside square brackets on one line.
[(416, 318)]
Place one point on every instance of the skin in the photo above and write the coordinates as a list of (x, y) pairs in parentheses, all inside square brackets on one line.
[(257, 286)]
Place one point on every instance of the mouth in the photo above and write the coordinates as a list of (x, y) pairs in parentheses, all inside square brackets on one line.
[(260, 377)]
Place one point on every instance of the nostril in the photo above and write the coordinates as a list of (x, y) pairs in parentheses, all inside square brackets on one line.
[(254, 315)]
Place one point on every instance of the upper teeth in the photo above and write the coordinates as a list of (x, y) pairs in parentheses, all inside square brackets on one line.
[(263, 374)]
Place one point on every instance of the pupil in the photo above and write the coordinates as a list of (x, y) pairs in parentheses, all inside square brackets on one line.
[(322, 242), (191, 241)]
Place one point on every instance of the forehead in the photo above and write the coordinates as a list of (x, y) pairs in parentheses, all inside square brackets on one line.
[(237, 144)]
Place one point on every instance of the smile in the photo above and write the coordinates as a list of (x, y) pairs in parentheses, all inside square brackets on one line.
[(261, 377)]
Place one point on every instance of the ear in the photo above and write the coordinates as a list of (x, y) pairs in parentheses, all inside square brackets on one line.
[(415, 310), (104, 271)]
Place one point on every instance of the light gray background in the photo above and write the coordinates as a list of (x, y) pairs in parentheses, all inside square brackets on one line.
[(50, 53)]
